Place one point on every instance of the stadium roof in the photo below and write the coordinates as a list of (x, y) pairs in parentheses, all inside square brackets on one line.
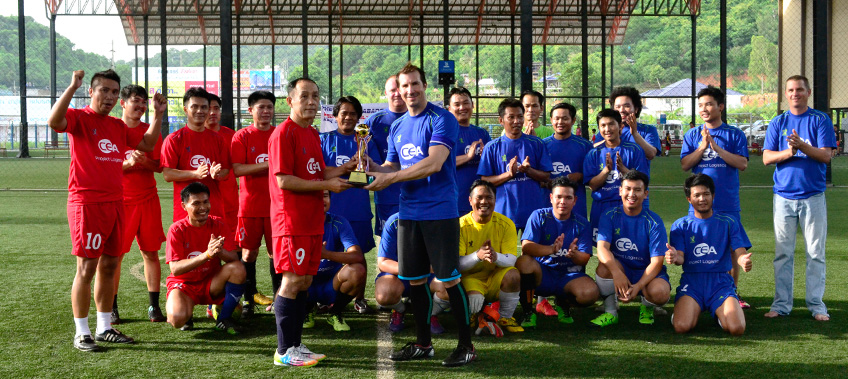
[(681, 88), (376, 22)]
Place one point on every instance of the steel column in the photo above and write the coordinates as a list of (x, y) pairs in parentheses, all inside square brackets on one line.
[(584, 44), (526, 75), (146, 66), (24, 133), (226, 88), (445, 43), (237, 125), (722, 52), (54, 137), (694, 63), (821, 63), (163, 41), (304, 37)]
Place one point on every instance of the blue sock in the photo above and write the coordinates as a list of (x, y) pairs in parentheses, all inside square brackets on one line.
[(232, 295)]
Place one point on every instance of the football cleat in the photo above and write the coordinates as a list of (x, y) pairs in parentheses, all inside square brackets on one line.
[(529, 320), (189, 325), (85, 343), (544, 307), (309, 321), (510, 325), (261, 299), (435, 326), (338, 323), (113, 336), (396, 324), (229, 326), (646, 315), (744, 304), (605, 319), (361, 306), (155, 314), (564, 315), (248, 310), (460, 357), (412, 351), (491, 312), (309, 353), (211, 312), (293, 357), (491, 326)]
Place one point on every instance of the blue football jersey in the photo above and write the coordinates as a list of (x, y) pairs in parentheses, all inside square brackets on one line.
[(567, 157), (380, 124), (544, 228), (631, 155), (707, 245), (388, 240), (726, 177), (339, 237), (633, 240), (467, 173), (648, 132), (353, 204)]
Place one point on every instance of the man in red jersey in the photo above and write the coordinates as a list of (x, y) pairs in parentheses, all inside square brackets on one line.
[(143, 213), (194, 154), (249, 153), (228, 186), (296, 181), (95, 196), (196, 248)]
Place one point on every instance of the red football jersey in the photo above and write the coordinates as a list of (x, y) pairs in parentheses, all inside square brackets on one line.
[(96, 146), (228, 186), (186, 242), (139, 183), (186, 149), (295, 150), (250, 146)]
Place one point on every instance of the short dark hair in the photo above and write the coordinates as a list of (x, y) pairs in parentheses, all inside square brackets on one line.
[(214, 97), (801, 78), (538, 95), (458, 91), (410, 68), (611, 113), (357, 106), (195, 92), (107, 74), (636, 175), (509, 102), (481, 182), (195, 188), (293, 84), (630, 92), (713, 92), (133, 90), (570, 108), (260, 95), (564, 181), (698, 180)]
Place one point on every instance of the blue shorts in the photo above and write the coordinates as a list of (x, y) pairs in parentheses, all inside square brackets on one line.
[(554, 281), (598, 209), (634, 275), (709, 289), (738, 218), (382, 213), (364, 234), (405, 282), (321, 290)]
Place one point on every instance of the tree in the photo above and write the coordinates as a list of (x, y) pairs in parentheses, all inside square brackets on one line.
[(763, 62)]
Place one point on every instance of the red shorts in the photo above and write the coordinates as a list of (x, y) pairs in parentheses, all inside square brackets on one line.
[(144, 224), (298, 254), (197, 291), (251, 230), (96, 229)]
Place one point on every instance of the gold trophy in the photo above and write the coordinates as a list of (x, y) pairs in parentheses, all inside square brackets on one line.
[(362, 134)]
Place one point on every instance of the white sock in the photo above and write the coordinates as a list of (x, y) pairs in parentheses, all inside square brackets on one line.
[(104, 322), (649, 304), (81, 326), (509, 300), (607, 290), (439, 305), (400, 307)]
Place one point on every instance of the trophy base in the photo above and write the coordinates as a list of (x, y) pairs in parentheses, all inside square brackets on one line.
[(359, 178)]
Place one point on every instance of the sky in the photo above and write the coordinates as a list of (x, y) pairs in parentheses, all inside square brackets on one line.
[(93, 34)]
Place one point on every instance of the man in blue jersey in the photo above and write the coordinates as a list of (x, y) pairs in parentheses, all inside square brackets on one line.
[(720, 151), (386, 201), (631, 247), (517, 164), (338, 147), (568, 151), (606, 163), (389, 290), (628, 102), (798, 143), (469, 146), (706, 243), (341, 275), (422, 157), (556, 246)]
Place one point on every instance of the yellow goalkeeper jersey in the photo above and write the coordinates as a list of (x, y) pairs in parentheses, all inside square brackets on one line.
[(500, 231)]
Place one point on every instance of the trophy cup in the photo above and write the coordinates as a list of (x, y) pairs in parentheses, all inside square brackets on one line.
[(362, 134)]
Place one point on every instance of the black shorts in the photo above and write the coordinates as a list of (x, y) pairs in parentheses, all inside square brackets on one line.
[(422, 244)]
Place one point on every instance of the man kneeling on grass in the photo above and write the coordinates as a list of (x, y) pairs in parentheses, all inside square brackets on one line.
[(196, 247), (704, 243)]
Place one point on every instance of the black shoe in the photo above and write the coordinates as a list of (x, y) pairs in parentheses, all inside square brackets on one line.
[(155, 314), (85, 343), (248, 310), (114, 336), (189, 325), (412, 351), (460, 357), (116, 318), (229, 326)]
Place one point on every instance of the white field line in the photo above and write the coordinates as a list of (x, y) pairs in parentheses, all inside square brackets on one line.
[(137, 270), (385, 366)]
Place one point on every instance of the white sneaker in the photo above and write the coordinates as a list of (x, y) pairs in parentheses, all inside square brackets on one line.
[(293, 357), (309, 353)]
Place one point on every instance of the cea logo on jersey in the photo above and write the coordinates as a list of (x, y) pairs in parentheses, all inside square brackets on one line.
[(312, 166), (341, 160), (261, 158), (560, 168), (107, 146), (625, 244), (198, 160), (613, 176), (709, 154), (410, 151), (703, 249)]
